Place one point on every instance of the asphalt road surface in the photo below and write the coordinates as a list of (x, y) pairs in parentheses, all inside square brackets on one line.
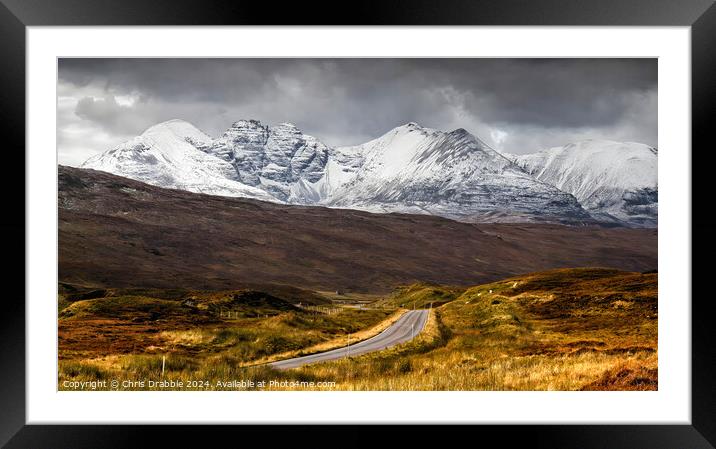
[(407, 326)]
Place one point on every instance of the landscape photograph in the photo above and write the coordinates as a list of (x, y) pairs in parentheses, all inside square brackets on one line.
[(357, 224)]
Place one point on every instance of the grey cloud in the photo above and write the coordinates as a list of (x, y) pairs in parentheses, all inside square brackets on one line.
[(533, 103), (105, 110)]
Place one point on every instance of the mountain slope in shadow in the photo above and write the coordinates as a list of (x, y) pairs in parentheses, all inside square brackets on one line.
[(117, 232)]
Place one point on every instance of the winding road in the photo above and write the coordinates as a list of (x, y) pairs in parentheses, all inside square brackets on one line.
[(404, 329)]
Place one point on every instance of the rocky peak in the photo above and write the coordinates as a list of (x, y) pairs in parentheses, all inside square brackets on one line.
[(410, 127), (271, 157), (460, 132), (247, 124)]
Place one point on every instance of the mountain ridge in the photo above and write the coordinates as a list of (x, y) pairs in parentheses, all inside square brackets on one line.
[(614, 181), (409, 169)]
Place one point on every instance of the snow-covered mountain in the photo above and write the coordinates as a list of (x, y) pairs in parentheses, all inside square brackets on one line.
[(613, 181), (274, 158), (451, 174), (168, 155), (410, 169)]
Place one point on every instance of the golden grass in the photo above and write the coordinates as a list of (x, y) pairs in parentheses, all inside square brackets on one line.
[(578, 329), (561, 330), (462, 371), (127, 337), (420, 296), (187, 337)]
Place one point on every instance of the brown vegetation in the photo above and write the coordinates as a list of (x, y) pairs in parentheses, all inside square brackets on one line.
[(558, 330), (569, 329), (115, 232), (250, 324)]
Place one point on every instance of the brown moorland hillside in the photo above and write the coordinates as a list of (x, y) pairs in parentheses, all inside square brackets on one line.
[(115, 232)]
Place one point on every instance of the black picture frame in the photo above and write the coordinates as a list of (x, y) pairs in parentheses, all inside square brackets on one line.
[(16, 15)]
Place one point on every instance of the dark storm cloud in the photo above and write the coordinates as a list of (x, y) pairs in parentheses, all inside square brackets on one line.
[(517, 105)]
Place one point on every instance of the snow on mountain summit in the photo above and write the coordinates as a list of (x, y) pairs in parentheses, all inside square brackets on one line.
[(451, 174), (168, 155), (409, 169), (179, 128), (614, 181)]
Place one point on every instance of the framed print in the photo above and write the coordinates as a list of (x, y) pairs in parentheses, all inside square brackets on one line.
[(484, 219)]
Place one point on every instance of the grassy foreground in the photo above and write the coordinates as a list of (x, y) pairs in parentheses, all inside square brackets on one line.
[(570, 329), (195, 335), (586, 329)]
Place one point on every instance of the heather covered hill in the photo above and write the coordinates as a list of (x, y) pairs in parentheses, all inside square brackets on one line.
[(116, 232)]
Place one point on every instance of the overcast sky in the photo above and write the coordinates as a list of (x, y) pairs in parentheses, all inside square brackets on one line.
[(515, 105)]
